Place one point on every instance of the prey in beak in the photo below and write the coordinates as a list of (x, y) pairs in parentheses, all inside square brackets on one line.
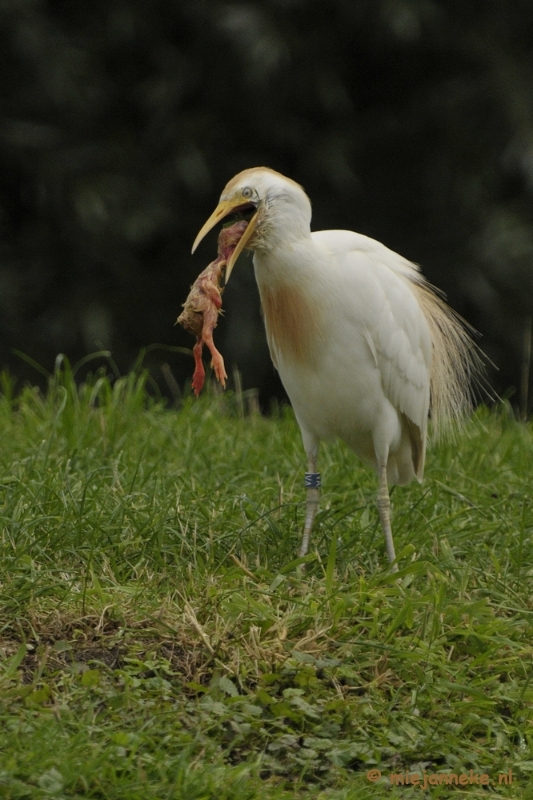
[(242, 208), (204, 304)]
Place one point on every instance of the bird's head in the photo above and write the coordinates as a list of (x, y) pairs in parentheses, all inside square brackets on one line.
[(277, 208)]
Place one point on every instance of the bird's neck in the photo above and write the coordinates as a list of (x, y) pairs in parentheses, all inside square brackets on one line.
[(285, 224)]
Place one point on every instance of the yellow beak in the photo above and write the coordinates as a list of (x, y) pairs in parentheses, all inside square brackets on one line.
[(224, 208)]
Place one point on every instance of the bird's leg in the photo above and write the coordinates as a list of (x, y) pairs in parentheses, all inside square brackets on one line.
[(199, 371), (217, 362), (384, 513), (312, 484)]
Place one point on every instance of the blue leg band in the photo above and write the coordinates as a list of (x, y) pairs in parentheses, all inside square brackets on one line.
[(312, 480)]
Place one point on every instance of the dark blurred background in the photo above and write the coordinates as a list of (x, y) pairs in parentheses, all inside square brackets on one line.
[(408, 120)]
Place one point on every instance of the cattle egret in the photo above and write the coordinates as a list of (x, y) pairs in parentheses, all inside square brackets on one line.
[(364, 345)]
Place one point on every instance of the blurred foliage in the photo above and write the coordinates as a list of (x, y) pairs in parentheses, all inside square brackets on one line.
[(408, 120)]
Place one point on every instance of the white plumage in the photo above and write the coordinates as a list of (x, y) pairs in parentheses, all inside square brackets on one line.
[(363, 345)]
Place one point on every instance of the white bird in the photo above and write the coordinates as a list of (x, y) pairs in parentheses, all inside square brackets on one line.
[(364, 346)]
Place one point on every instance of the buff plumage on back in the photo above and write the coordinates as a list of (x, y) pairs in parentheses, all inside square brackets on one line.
[(456, 365)]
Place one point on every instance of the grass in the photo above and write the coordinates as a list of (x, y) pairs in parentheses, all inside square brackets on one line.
[(158, 639)]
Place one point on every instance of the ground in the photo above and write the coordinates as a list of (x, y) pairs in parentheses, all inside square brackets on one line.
[(159, 638)]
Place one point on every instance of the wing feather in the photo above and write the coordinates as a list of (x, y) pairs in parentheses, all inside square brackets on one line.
[(424, 350), (394, 328)]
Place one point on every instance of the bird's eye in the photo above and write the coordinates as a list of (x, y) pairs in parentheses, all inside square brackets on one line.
[(247, 192)]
